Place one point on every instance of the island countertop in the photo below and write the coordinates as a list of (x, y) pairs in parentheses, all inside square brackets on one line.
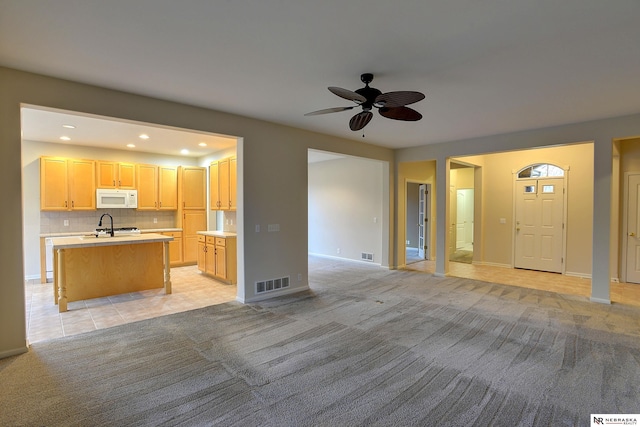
[(217, 233), (90, 240)]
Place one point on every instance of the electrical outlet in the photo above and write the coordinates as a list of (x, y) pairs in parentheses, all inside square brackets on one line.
[(338, 250), (155, 220), (299, 277), (66, 223)]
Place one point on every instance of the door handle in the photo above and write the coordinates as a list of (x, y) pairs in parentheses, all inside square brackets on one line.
[(632, 234)]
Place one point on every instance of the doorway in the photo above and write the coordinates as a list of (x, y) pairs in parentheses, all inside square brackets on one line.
[(539, 218), (632, 239), (462, 212), (417, 222)]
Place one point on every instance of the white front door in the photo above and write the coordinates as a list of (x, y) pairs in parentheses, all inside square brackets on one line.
[(633, 229), (539, 216)]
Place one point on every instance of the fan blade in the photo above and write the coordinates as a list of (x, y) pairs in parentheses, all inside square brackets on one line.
[(360, 120), (400, 113), (347, 94), (398, 99), (330, 110)]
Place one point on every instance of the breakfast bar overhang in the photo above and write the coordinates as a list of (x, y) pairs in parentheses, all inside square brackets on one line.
[(89, 267)]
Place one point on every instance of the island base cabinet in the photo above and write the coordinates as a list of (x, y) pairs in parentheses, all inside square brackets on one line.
[(95, 272)]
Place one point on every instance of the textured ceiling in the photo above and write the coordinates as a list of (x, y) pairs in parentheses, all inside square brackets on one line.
[(487, 67)]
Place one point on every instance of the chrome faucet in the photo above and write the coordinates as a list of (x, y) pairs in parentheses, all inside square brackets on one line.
[(111, 218)]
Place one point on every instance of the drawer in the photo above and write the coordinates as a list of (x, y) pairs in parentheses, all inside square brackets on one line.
[(173, 234), (201, 238), (221, 241), (210, 240)]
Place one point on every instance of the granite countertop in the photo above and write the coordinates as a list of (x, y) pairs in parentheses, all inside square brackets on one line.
[(218, 233), (82, 233), (90, 240)]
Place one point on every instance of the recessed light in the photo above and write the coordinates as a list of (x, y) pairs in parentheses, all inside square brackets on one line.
[(131, 145), (65, 138), (184, 151), (203, 144), (144, 136), (69, 126)]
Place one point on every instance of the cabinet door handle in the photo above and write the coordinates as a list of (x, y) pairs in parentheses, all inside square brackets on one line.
[(119, 183), (73, 204), (65, 204), (114, 182), (160, 204)]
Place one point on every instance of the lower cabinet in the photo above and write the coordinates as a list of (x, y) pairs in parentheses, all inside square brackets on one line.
[(217, 257), (175, 247)]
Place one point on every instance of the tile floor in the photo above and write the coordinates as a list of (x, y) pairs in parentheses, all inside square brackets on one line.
[(190, 290), (621, 293)]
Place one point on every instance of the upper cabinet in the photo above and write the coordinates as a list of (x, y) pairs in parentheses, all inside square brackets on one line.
[(67, 184), (157, 187), (193, 187), (223, 184), (115, 175)]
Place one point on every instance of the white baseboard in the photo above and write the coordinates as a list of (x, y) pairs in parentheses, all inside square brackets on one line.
[(13, 352), (272, 294), (345, 259), (580, 275), (493, 264)]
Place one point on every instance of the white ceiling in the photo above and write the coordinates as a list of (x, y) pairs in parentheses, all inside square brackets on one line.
[(47, 125), (486, 67)]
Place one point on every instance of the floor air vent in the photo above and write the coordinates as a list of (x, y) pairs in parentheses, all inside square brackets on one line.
[(367, 256), (272, 285)]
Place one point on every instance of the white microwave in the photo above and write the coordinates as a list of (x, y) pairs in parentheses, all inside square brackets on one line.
[(116, 199)]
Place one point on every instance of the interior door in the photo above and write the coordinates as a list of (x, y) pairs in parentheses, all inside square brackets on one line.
[(453, 213), (422, 220), (633, 228), (539, 216), (460, 219)]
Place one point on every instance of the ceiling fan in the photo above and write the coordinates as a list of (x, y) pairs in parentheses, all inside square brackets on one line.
[(391, 105)]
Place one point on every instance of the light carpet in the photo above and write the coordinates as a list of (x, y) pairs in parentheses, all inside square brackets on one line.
[(366, 346)]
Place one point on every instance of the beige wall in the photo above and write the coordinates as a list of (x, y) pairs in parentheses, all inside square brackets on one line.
[(498, 202), (272, 171)]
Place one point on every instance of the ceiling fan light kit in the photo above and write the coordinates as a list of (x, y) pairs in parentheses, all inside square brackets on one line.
[(392, 105)]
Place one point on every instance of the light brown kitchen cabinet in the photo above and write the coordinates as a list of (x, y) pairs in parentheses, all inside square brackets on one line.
[(175, 247), (217, 257), (157, 187), (115, 175), (67, 184), (192, 187), (223, 184), (167, 187), (192, 222)]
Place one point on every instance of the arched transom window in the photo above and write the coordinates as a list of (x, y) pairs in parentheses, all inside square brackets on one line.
[(541, 170)]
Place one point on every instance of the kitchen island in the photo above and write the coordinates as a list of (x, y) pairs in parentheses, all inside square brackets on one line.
[(88, 267)]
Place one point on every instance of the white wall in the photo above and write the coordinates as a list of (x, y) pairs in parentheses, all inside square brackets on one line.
[(345, 208)]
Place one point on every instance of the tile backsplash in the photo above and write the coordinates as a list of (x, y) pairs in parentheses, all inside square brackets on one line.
[(87, 221)]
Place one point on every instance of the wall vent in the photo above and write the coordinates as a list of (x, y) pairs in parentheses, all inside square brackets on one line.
[(272, 285), (366, 256)]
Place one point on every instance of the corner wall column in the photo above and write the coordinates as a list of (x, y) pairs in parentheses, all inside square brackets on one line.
[(600, 266), (442, 216)]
